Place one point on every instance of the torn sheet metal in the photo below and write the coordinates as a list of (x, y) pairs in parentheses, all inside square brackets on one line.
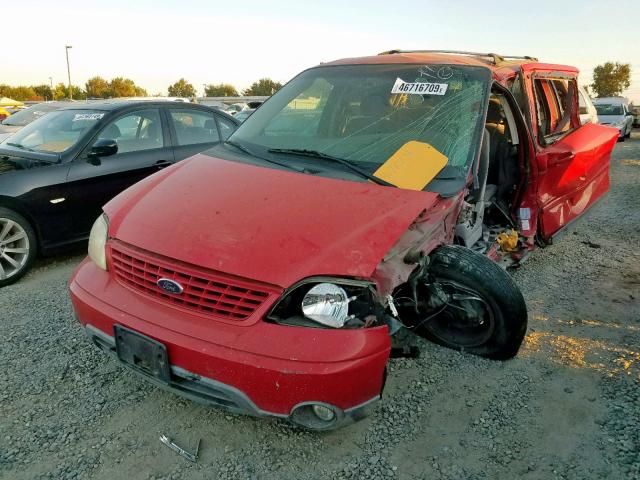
[(192, 457)]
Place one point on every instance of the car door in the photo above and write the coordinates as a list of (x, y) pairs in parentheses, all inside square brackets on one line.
[(572, 160), (194, 130), (143, 149)]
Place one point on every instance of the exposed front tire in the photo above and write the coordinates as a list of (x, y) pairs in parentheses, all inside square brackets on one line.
[(473, 305), (18, 246)]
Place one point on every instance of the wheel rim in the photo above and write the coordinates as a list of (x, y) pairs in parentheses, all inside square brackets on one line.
[(14, 248), (467, 320)]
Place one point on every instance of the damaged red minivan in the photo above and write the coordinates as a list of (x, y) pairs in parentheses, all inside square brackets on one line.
[(368, 201)]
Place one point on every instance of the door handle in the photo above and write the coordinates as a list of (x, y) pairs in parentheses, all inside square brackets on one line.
[(162, 164)]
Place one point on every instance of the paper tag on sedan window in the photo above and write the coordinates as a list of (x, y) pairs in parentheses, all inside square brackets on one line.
[(419, 88), (87, 116)]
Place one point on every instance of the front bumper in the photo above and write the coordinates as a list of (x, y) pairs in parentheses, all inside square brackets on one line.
[(261, 369)]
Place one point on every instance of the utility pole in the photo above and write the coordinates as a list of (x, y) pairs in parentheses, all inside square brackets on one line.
[(51, 86), (204, 86), (66, 48)]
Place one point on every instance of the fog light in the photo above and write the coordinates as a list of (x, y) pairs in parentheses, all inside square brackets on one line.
[(316, 416), (324, 413)]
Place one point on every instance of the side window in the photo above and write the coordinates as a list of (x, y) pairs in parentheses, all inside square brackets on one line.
[(194, 126), (556, 108), (582, 103), (226, 128), (135, 131)]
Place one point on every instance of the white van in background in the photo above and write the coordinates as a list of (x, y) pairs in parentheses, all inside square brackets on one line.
[(615, 111), (588, 113)]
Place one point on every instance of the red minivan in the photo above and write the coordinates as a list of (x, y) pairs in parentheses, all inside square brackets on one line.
[(368, 200)]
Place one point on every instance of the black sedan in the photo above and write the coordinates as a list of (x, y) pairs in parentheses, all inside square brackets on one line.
[(58, 171)]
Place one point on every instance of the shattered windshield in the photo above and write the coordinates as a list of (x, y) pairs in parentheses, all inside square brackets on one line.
[(368, 114)]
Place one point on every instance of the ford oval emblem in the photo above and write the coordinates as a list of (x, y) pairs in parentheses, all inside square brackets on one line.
[(170, 286)]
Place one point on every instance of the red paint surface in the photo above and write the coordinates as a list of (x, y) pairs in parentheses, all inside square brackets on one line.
[(264, 224), (276, 366)]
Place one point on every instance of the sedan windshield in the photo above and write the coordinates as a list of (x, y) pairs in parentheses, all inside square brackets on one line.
[(367, 113), (608, 109), (28, 115), (55, 132)]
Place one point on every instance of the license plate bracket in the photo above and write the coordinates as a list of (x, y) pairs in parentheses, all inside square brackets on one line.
[(142, 353)]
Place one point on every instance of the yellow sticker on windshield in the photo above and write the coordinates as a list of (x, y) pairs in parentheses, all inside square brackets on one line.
[(413, 166)]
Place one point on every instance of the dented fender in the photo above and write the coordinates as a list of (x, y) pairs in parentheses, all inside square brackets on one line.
[(433, 227)]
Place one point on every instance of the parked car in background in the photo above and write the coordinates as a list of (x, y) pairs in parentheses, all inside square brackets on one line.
[(588, 113), (59, 170), (275, 273), (235, 108), (615, 111), (27, 115), (242, 115), (4, 113), (635, 109)]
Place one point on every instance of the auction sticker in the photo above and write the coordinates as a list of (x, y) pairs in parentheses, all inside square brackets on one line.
[(419, 88), (87, 116)]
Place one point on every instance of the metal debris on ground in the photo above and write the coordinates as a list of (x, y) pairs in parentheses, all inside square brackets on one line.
[(192, 457)]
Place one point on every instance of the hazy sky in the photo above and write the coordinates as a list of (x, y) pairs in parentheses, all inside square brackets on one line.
[(155, 42)]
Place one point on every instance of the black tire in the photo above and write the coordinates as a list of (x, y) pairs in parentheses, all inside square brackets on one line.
[(30, 241), (503, 302)]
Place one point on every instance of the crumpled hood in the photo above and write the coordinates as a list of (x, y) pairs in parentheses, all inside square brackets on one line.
[(262, 223)]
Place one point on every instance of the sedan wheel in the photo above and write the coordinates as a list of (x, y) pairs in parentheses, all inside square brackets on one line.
[(17, 246)]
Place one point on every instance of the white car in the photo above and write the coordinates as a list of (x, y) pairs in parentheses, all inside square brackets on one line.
[(615, 111), (588, 113)]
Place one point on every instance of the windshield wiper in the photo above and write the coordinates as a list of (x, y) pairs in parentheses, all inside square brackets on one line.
[(20, 146), (244, 149), (324, 156)]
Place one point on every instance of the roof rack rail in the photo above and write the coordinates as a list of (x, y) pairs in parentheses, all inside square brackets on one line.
[(494, 56)]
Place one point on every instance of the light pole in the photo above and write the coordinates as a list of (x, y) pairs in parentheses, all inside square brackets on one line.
[(66, 49)]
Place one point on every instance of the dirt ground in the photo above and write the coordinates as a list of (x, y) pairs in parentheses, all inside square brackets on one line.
[(568, 407)]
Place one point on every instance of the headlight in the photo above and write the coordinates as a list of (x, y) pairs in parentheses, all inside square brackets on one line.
[(322, 302), (328, 304), (98, 241)]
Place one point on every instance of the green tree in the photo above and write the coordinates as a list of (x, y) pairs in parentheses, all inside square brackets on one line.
[(221, 90), (61, 91), (141, 92), (98, 87), (19, 93), (122, 87), (263, 87), (182, 88), (43, 91), (610, 79)]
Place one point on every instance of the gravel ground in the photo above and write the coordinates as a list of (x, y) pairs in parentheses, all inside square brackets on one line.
[(567, 407)]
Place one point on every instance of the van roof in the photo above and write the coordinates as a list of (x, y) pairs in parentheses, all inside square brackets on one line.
[(501, 66), (611, 100)]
